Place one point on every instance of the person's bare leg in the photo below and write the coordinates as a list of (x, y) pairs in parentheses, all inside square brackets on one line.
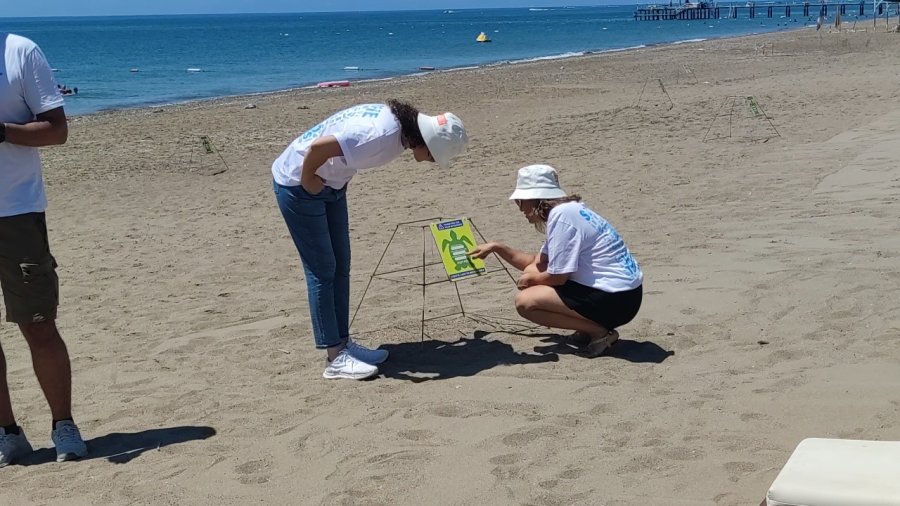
[(50, 360), (542, 305), (6, 413)]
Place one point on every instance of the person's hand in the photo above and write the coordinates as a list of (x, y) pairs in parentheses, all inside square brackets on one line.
[(481, 251), (527, 279), (313, 185)]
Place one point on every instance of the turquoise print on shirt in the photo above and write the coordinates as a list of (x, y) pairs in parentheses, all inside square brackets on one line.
[(360, 111), (604, 228)]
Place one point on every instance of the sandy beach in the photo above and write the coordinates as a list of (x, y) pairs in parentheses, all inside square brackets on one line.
[(754, 179)]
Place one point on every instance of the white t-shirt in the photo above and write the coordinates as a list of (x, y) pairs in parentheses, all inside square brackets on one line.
[(369, 136), (27, 88), (584, 245)]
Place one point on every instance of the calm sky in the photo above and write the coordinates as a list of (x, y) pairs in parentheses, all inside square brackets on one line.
[(19, 8)]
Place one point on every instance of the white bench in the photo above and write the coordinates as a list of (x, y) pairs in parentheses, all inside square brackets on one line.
[(838, 472)]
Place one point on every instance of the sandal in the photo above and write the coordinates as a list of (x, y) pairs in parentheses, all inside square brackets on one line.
[(598, 345)]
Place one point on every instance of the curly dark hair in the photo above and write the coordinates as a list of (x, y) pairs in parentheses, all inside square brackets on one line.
[(543, 206), (408, 116)]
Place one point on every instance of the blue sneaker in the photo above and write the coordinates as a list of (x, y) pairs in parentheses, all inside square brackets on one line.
[(68, 442), (367, 355), (12, 447)]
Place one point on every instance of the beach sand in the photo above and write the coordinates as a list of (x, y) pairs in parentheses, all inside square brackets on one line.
[(766, 228)]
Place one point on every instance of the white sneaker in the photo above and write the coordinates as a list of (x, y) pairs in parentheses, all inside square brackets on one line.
[(367, 355), (13, 446), (67, 440), (348, 367)]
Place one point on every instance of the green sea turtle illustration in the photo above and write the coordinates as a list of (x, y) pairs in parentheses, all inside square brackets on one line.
[(458, 250)]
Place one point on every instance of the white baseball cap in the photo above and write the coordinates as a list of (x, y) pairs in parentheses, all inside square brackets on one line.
[(445, 136), (537, 182)]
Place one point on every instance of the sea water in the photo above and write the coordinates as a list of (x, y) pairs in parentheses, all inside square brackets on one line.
[(119, 62)]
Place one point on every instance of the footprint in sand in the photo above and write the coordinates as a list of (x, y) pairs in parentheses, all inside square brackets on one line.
[(639, 464), (505, 466), (448, 411), (739, 469), (548, 484), (399, 456), (254, 472), (624, 426), (525, 438), (507, 459), (683, 453), (599, 409), (783, 356), (571, 474), (746, 417), (650, 443), (416, 434)]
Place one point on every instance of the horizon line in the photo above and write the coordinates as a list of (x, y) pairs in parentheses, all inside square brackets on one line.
[(323, 12)]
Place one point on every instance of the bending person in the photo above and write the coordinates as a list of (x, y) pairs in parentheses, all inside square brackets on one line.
[(311, 178), (584, 278)]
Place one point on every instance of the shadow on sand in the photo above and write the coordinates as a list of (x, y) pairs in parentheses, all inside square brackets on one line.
[(639, 352), (123, 447), (440, 360)]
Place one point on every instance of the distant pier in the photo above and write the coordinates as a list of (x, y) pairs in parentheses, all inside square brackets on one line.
[(705, 10)]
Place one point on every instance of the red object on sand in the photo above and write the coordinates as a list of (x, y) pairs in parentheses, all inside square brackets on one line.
[(333, 84)]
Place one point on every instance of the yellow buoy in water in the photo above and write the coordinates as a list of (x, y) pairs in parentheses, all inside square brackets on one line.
[(482, 37)]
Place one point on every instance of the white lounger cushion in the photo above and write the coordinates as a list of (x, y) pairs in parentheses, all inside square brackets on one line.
[(837, 472)]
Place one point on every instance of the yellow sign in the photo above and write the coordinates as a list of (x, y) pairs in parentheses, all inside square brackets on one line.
[(454, 240)]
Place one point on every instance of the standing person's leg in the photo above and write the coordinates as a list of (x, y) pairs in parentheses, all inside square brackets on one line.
[(307, 222), (7, 417), (31, 290), (306, 217), (339, 226), (8, 272), (50, 360), (339, 232), (13, 443)]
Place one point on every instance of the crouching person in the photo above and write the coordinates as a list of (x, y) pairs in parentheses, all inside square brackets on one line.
[(584, 278)]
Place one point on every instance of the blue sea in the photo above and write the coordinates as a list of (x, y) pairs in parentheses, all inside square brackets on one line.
[(243, 54)]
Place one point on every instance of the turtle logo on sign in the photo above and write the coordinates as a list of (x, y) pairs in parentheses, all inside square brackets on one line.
[(454, 241), (458, 250)]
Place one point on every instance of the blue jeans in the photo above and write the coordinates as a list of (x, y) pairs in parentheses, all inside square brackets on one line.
[(320, 228)]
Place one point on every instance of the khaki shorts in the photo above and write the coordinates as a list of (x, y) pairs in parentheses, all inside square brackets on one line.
[(27, 269)]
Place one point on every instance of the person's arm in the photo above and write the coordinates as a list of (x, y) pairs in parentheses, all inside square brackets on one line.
[(536, 274), (518, 259), (564, 243), (532, 278), (319, 152), (47, 129)]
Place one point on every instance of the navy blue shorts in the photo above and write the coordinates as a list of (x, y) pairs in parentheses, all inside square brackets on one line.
[(609, 309)]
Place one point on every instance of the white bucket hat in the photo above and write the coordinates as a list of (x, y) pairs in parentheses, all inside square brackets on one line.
[(537, 182), (445, 136)]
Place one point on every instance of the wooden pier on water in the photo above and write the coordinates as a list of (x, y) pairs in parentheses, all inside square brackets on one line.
[(704, 10)]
